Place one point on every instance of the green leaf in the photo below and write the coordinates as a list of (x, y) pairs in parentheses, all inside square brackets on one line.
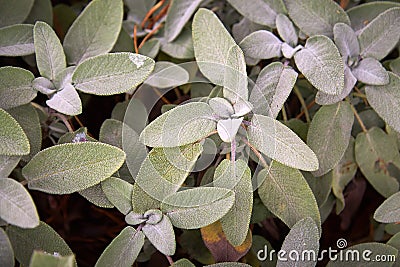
[(124, 43), (66, 101), (181, 47), (193, 243), (17, 206), (15, 87), (150, 48), (67, 168), (346, 41), (320, 186), (228, 128), (179, 13), (182, 125), (263, 12), (95, 31), (329, 135), (16, 40), (278, 142), (389, 210), (278, 180), (316, 17), (96, 196), (303, 238), (43, 259), (370, 71), (197, 207), (237, 177), (366, 254), (14, 12), (142, 202), (119, 192), (272, 88), (286, 30), (229, 264), (221, 107), (321, 64), (138, 9), (42, 10), (395, 66), (6, 251), (161, 235), (211, 50), (50, 58), (123, 250), (43, 238), (167, 168), (374, 152), (112, 73), (13, 140), (7, 164), (261, 45), (183, 263), (381, 35), (167, 75), (385, 100)]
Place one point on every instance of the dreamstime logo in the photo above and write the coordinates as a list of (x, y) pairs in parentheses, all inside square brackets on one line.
[(341, 254)]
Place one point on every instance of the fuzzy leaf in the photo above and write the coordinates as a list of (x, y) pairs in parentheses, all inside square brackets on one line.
[(286, 30), (8, 164), (42, 237), (67, 168), (179, 13), (17, 207), (370, 71), (96, 196), (302, 238), (95, 31), (112, 73), (167, 75), (237, 177), (150, 48), (278, 142), (228, 128), (43, 259), (13, 140), (381, 35), (221, 107), (66, 101), (44, 85), (316, 17), (197, 207), (119, 192), (42, 10), (385, 100), (329, 135), (123, 250), (16, 40), (272, 88), (15, 87), (291, 207), (321, 64), (161, 235), (389, 210), (183, 263), (346, 40), (6, 251), (182, 125), (261, 45), (181, 47), (14, 12)]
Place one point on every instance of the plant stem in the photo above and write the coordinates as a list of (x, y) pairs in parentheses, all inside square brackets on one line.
[(135, 39), (233, 150), (166, 101), (64, 119), (312, 103), (284, 114), (302, 102), (364, 129), (258, 154), (171, 262)]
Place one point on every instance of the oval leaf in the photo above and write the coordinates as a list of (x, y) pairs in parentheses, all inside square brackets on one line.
[(389, 210), (6, 251), (161, 235), (13, 140), (43, 259), (16, 40), (96, 196), (346, 41), (167, 75), (261, 45), (13, 12), (370, 71), (119, 192), (286, 30), (66, 101)]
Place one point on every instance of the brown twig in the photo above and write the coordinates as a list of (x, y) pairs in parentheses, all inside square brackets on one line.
[(165, 100), (303, 111), (135, 39), (151, 11), (147, 37)]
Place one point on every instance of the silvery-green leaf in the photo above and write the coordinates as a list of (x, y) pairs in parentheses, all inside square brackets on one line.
[(381, 35), (64, 77), (16, 40), (197, 207), (123, 250), (13, 140), (50, 57), (96, 196), (42, 237), (370, 71), (95, 31), (124, 42), (153, 216), (80, 135), (235, 76), (42, 10), (316, 17), (244, 27), (183, 263), (14, 12), (374, 151), (142, 202), (17, 207), (181, 47), (221, 107), (67, 168), (134, 218), (6, 251), (8, 164), (161, 235), (44, 85), (272, 88), (260, 11), (211, 50), (15, 87), (150, 48), (349, 81), (261, 45), (346, 40), (395, 66), (321, 64), (165, 169), (167, 75), (182, 125), (66, 101), (389, 210), (329, 135), (228, 128), (320, 186), (179, 13), (278, 180), (112, 73), (237, 177), (385, 100), (138, 9), (278, 142), (286, 30), (44, 259), (28, 119), (304, 239), (288, 51), (119, 193)]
